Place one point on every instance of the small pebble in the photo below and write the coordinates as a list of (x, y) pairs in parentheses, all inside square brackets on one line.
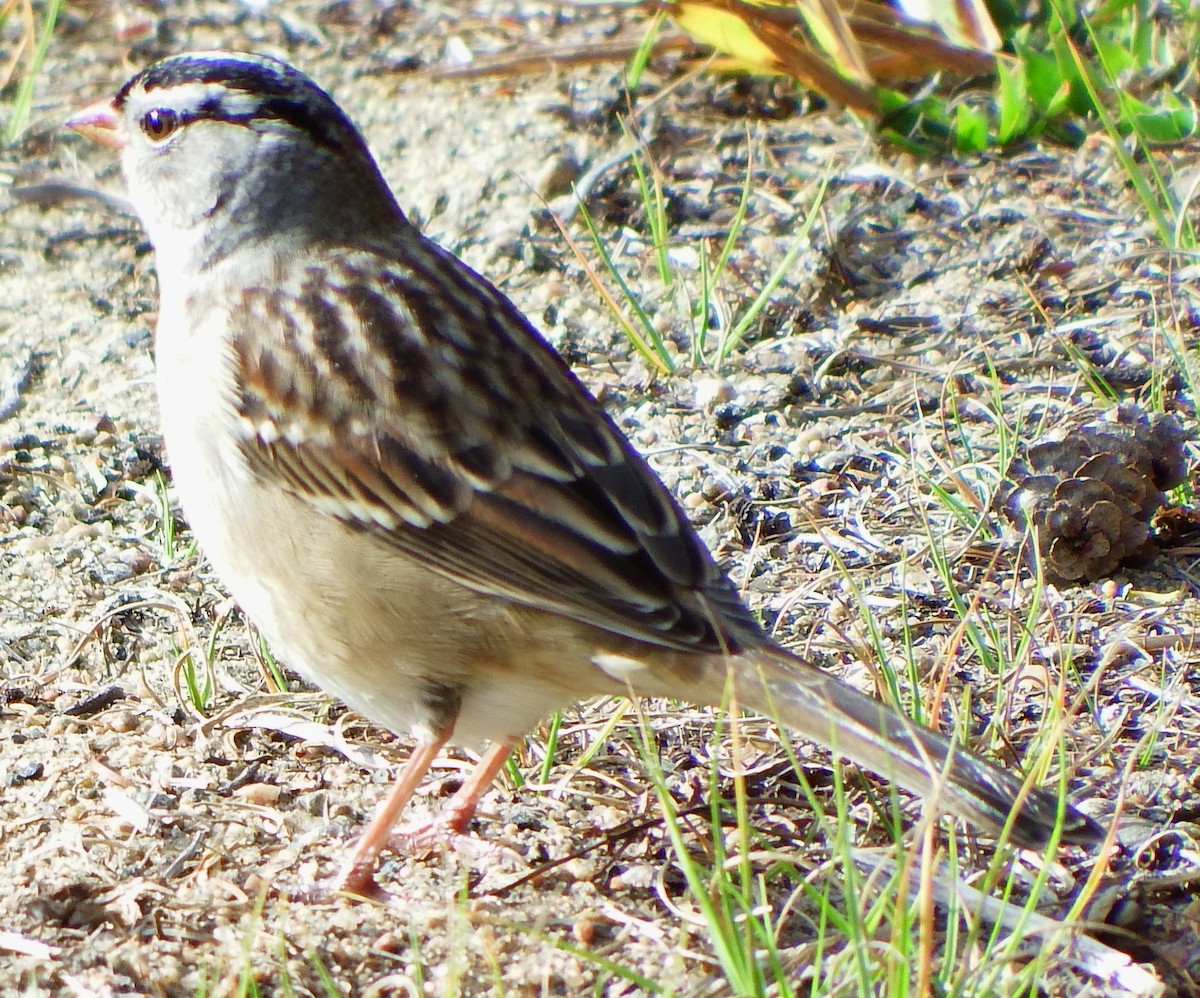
[(29, 771), (556, 176), (160, 736), (255, 884), (583, 928), (389, 942), (137, 560), (710, 391), (122, 721), (581, 869), (61, 725), (728, 415), (263, 794)]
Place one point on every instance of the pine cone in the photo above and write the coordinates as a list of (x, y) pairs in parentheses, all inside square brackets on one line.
[(1090, 492)]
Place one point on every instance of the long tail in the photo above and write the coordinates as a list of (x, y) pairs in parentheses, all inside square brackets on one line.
[(826, 710)]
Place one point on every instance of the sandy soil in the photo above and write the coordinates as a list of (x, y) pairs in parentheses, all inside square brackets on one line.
[(154, 844)]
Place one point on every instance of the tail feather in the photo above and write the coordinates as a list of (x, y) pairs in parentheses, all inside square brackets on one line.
[(825, 710)]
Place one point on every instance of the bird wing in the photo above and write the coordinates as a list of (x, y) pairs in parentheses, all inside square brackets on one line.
[(404, 395)]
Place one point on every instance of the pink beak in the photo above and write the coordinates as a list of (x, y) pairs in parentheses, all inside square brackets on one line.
[(98, 122)]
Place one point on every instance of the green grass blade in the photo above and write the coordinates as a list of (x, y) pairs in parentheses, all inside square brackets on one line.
[(23, 102)]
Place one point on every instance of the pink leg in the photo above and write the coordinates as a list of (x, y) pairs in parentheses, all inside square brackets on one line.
[(358, 875), (461, 809)]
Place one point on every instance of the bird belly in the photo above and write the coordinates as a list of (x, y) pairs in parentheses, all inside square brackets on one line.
[(347, 611)]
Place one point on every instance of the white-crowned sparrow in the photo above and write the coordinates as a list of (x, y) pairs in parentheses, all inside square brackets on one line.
[(408, 492)]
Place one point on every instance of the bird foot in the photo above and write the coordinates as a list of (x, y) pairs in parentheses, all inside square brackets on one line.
[(421, 840)]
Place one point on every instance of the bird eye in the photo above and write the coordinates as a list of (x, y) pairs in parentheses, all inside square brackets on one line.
[(159, 123)]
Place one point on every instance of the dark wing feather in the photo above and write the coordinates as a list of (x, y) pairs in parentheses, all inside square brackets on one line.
[(421, 406)]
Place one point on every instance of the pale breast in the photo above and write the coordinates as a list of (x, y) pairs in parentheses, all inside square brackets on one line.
[(351, 614)]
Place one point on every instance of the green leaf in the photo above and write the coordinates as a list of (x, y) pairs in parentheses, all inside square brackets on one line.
[(1114, 56), (1012, 103), (970, 129), (1044, 80), (1165, 125), (1079, 100)]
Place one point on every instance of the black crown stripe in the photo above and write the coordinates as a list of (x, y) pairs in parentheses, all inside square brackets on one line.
[(284, 94)]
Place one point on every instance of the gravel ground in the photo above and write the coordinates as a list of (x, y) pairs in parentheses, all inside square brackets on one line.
[(156, 843)]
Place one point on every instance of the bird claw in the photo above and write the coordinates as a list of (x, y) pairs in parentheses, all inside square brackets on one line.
[(420, 840)]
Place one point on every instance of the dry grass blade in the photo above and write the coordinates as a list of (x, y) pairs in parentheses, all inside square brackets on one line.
[(14, 942), (900, 49), (815, 46), (843, 53), (24, 43)]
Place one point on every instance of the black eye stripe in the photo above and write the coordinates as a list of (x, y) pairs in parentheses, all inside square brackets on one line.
[(282, 94), (300, 118)]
